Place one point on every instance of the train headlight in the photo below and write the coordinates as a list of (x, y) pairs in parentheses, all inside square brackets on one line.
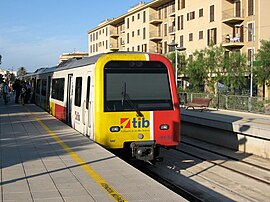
[(164, 127), (140, 136), (115, 129)]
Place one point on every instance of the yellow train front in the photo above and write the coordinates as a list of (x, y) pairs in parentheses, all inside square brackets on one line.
[(136, 104), (120, 100)]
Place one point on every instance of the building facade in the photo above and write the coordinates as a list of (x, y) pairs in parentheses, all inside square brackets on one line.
[(238, 25), (75, 54)]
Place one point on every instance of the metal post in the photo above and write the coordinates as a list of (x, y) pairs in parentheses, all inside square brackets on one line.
[(252, 31), (252, 58), (173, 44), (176, 67)]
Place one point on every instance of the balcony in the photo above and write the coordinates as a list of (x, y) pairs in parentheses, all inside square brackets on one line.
[(233, 17), (155, 36), (232, 42), (114, 33), (172, 30), (155, 19), (114, 47), (171, 10)]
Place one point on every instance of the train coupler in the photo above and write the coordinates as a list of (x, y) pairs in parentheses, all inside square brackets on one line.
[(144, 150)]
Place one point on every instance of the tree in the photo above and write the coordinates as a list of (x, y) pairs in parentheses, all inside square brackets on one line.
[(235, 68), (196, 70), (21, 71), (262, 66), (214, 63)]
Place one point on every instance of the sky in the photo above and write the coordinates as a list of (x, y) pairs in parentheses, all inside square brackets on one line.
[(34, 33)]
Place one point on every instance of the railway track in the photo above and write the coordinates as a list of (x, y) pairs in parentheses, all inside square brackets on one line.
[(203, 172)]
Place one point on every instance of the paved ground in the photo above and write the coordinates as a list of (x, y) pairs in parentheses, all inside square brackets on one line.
[(43, 159)]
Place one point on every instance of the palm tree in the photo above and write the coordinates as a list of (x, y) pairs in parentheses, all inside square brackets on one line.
[(21, 71)]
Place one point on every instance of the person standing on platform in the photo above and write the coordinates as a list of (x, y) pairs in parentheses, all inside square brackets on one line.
[(23, 93), (28, 91), (17, 87), (5, 92)]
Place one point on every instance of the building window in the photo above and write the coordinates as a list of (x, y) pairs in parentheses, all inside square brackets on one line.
[(212, 13), (138, 48), (165, 12), (138, 32), (78, 91), (138, 16), (191, 15), (250, 27), (190, 37), (181, 4), (144, 16), (165, 29), (127, 23), (249, 56), (200, 34), (133, 18), (144, 33), (181, 22), (127, 38), (132, 34), (181, 41), (201, 12), (211, 36), (165, 47), (250, 7)]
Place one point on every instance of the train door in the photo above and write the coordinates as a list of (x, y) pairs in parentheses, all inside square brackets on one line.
[(69, 99), (48, 93), (88, 107)]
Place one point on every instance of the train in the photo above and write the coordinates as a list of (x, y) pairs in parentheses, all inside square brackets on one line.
[(124, 101)]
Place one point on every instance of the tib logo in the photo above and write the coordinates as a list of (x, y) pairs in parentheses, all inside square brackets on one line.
[(135, 123)]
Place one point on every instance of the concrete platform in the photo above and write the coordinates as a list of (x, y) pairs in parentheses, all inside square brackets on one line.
[(246, 132), (42, 159)]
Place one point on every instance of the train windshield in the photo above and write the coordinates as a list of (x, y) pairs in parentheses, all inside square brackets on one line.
[(137, 86)]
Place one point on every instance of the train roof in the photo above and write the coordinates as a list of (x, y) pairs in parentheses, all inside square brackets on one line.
[(72, 63)]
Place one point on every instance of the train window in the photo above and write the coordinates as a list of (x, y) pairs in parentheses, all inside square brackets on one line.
[(38, 87), (78, 91), (43, 87), (137, 86), (88, 91), (58, 89)]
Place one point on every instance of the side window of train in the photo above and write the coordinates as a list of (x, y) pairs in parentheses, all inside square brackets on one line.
[(88, 91), (58, 89), (78, 91), (38, 87), (43, 87)]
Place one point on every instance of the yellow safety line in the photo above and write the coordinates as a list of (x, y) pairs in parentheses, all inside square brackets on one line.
[(94, 175)]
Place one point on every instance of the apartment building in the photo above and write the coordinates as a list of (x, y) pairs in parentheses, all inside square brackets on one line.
[(239, 25), (191, 24)]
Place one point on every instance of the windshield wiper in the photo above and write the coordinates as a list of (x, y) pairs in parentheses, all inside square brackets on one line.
[(125, 97)]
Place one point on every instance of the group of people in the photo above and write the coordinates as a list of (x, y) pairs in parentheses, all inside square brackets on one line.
[(22, 90)]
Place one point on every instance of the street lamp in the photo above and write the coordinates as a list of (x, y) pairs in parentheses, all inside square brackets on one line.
[(252, 53), (173, 44)]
